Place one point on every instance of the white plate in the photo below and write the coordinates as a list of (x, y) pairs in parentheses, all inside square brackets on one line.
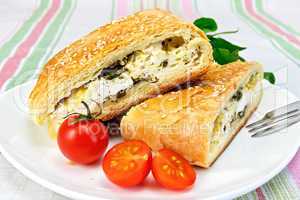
[(246, 164)]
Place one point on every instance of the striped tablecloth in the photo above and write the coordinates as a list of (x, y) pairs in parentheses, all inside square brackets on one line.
[(33, 30)]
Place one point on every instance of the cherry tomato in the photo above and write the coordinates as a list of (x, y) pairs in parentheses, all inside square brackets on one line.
[(128, 163), (82, 141), (172, 171)]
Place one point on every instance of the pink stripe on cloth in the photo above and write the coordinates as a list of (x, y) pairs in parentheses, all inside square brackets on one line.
[(168, 5), (122, 8), (141, 4), (188, 9), (260, 194), (12, 63), (291, 38), (294, 168)]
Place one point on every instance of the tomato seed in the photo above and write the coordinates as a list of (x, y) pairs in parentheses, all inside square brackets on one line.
[(165, 167), (113, 163), (145, 157), (181, 174)]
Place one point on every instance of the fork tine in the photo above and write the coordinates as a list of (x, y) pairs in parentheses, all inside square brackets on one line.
[(283, 109), (275, 120), (266, 120), (276, 127), (292, 107)]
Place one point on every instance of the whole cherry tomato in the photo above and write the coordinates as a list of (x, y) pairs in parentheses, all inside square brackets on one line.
[(82, 139)]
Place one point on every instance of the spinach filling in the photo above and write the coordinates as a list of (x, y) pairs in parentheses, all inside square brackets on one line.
[(242, 113), (112, 72), (238, 95), (116, 69)]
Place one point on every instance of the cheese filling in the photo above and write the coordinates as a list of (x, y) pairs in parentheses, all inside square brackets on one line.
[(150, 64), (234, 112)]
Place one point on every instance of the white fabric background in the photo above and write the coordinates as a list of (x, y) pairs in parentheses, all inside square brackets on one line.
[(91, 13)]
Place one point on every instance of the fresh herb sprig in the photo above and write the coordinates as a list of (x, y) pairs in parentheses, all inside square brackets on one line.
[(270, 77), (224, 51)]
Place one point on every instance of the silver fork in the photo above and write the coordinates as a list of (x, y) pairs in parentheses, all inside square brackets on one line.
[(276, 120)]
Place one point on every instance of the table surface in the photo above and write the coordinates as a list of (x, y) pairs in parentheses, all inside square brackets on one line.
[(31, 31)]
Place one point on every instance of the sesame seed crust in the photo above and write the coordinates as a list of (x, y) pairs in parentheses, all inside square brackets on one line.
[(83, 60), (184, 123)]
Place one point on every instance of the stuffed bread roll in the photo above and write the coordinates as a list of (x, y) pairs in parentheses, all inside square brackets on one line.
[(200, 121), (119, 65)]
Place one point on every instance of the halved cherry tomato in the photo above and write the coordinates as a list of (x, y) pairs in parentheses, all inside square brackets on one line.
[(172, 171), (128, 163), (82, 140)]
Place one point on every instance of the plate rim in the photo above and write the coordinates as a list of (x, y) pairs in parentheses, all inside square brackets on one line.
[(81, 196)]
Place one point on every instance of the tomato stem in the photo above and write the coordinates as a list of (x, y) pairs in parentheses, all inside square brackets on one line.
[(74, 113), (225, 32), (89, 114)]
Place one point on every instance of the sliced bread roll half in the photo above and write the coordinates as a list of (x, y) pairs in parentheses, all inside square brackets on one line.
[(119, 65), (200, 121)]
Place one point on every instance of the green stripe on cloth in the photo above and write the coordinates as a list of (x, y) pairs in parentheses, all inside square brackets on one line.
[(175, 7), (260, 9), (32, 63), (113, 10), (281, 187), (285, 47), (10, 45), (250, 196), (135, 6)]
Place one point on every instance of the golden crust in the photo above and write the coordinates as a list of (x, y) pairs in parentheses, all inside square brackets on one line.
[(82, 60), (183, 120)]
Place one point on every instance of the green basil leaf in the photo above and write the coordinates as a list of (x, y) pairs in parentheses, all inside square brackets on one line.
[(223, 51), (269, 76), (221, 43), (206, 24), (224, 56)]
